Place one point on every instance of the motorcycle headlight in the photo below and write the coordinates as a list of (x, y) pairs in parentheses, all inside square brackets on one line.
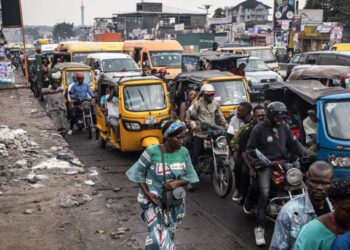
[(294, 176), (340, 161), (132, 126), (221, 142)]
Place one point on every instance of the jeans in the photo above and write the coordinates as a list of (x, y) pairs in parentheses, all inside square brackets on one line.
[(114, 123), (244, 181), (261, 184), (197, 149)]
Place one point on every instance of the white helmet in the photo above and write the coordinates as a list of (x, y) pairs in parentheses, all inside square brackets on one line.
[(206, 88), (56, 76)]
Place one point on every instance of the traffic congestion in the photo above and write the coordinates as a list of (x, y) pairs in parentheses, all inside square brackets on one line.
[(267, 129)]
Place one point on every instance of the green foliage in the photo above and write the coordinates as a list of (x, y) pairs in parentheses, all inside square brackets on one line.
[(62, 31), (219, 12)]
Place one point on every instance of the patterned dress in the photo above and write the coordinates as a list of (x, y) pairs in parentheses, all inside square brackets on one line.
[(149, 170)]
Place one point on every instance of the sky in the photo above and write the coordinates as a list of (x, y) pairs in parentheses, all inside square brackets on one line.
[(50, 12)]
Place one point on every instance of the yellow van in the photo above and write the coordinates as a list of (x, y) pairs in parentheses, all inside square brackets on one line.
[(265, 53), (156, 54), (341, 47), (78, 51)]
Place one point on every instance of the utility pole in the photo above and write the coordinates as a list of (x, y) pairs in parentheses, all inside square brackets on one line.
[(206, 7)]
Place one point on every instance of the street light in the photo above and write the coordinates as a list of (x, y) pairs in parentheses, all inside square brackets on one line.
[(206, 7)]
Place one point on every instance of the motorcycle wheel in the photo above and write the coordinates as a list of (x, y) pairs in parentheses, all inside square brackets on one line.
[(89, 128), (223, 182)]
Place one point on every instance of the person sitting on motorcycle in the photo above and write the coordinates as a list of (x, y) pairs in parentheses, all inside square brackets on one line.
[(78, 92), (243, 116), (112, 104), (239, 144), (275, 140), (204, 110), (299, 211)]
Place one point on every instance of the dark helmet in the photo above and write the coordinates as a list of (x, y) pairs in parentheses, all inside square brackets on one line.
[(276, 109)]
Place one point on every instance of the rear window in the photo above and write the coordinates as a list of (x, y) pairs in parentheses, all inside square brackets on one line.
[(328, 60), (344, 60)]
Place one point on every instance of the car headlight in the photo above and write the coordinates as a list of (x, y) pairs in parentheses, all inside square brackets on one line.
[(221, 142), (294, 176), (133, 126), (279, 78), (252, 79), (339, 161)]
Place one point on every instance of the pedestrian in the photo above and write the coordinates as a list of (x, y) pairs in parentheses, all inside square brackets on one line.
[(342, 242), (215, 46), (243, 116), (184, 112), (328, 226), (55, 106), (301, 210), (161, 210)]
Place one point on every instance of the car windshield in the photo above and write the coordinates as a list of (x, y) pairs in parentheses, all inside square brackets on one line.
[(168, 59), (144, 97), (254, 65), (265, 54), (119, 65), (338, 119), (80, 57), (87, 77), (229, 92)]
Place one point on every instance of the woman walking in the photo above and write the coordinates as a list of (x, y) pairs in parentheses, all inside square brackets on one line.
[(161, 193)]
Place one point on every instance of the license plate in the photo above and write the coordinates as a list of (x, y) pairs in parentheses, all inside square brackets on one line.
[(150, 120)]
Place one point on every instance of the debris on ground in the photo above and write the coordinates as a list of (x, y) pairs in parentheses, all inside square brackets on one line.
[(89, 182), (28, 211), (74, 200), (117, 189)]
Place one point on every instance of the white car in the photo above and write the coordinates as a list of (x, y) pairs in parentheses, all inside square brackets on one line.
[(258, 74), (113, 65)]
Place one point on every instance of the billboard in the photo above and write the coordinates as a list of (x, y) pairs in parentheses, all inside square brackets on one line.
[(284, 13), (11, 13)]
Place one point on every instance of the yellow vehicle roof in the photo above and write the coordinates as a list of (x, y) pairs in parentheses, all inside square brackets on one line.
[(154, 45), (341, 47), (111, 46)]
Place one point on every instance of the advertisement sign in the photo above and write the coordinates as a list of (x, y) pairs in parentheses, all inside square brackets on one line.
[(284, 11), (281, 39), (336, 35), (179, 27), (238, 28), (221, 20)]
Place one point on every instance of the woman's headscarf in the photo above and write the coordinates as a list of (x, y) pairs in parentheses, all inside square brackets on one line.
[(173, 128)]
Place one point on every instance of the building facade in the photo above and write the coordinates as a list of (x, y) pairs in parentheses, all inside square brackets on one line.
[(248, 11)]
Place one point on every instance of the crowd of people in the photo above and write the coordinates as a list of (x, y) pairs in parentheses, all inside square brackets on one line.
[(323, 209)]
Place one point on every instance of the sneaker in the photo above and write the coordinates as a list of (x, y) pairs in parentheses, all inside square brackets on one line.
[(259, 236), (235, 196), (69, 132), (247, 209)]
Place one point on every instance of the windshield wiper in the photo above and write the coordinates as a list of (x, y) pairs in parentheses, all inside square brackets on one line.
[(143, 100)]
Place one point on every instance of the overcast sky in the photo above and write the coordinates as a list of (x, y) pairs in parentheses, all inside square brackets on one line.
[(50, 12)]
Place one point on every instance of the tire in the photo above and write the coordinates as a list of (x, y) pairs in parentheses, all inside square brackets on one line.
[(102, 142), (89, 128), (223, 183)]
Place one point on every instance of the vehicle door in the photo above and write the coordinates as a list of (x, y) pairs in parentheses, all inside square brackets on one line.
[(327, 59), (311, 59), (294, 62)]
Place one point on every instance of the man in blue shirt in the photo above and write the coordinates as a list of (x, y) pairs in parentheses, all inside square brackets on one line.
[(80, 91), (304, 208)]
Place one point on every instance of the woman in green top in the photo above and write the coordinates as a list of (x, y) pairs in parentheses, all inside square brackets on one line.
[(321, 232), (148, 173)]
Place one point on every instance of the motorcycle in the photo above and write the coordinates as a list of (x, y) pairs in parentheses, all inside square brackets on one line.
[(82, 116), (286, 182), (214, 160)]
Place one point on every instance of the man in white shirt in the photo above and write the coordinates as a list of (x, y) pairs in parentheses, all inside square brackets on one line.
[(310, 127), (113, 111)]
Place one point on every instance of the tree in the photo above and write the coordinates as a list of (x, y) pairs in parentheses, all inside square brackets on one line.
[(219, 12), (63, 31)]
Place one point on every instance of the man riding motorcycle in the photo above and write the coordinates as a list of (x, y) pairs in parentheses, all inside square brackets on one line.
[(78, 92), (204, 110), (274, 139)]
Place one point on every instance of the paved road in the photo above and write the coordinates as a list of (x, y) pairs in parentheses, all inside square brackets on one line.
[(211, 222)]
